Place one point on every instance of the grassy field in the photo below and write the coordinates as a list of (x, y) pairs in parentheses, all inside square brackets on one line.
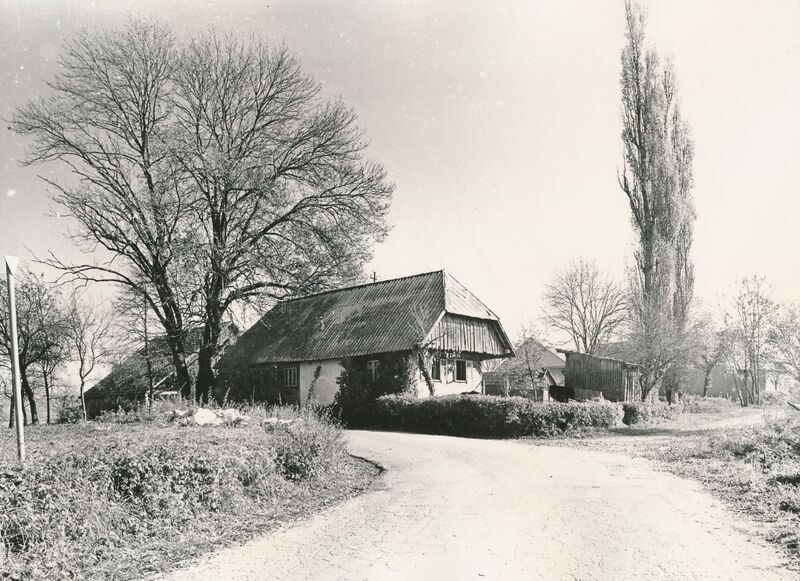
[(125, 500), (750, 458)]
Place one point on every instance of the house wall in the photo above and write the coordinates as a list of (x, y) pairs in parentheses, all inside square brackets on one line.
[(325, 387), (448, 385)]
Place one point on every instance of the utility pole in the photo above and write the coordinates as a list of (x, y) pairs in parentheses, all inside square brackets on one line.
[(11, 266)]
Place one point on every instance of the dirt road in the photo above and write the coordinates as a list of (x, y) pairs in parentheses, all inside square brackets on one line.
[(450, 508)]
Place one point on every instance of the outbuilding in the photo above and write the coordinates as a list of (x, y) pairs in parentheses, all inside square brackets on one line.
[(589, 376)]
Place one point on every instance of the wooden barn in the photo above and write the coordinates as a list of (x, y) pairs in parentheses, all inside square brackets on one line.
[(590, 376), (295, 353)]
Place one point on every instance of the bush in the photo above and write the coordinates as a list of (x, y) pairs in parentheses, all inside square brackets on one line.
[(71, 411), (306, 448), (489, 416), (638, 412), (774, 398), (697, 405)]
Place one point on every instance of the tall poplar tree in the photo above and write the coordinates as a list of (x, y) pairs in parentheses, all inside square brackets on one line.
[(657, 180)]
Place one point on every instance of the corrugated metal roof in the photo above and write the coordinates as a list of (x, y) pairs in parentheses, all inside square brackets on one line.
[(380, 317)]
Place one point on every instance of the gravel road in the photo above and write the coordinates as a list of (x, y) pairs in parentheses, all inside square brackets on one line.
[(452, 508)]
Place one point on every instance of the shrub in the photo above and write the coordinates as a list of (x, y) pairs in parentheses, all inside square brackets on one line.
[(306, 448), (695, 404), (638, 412), (489, 416), (774, 398), (397, 374), (71, 411)]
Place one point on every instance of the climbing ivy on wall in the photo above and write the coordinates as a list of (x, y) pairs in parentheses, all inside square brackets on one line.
[(397, 374)]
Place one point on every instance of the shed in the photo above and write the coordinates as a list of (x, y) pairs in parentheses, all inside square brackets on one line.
[(588, 376)]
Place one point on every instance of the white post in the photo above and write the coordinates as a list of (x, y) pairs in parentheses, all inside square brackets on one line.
[(11, 266)]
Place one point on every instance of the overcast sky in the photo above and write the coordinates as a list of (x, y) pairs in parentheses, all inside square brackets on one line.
[(499, 123)]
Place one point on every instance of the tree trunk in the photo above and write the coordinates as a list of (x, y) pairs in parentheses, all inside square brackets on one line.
[(13, 409), (212, 329), (205, 374), (46, 379), (423, 367), (28, 392), (83, 401), (706, 383)]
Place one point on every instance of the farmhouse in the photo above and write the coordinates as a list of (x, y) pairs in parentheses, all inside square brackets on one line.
[(299, 349)]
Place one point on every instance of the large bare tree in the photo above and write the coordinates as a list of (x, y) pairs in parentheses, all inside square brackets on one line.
[(586, 304), (210, 172), (657, 180), (106, 119), (286, 202)]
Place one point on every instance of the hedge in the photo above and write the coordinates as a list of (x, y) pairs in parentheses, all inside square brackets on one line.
[(638, 412), (489, 416)]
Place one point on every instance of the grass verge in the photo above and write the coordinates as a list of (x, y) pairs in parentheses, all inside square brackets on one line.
[(124, 500)]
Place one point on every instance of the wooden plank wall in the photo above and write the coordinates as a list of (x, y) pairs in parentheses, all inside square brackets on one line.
[(615, 380), (456, 333)]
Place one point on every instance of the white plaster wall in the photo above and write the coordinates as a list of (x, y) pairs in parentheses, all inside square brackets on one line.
[(326, 387), (448, 385)]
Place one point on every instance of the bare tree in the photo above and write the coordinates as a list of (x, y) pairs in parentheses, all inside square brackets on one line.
[(89, 328), (38, 328), (749, 322), (425, 350), (106, 120), (657, 180), (287, 204), (210, 172), (55, 351), (785, 338), (712, 351), (525, 369), (586, 304)]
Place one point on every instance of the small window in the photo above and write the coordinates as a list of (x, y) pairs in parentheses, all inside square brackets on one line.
[(436, 369), (290, 377), (372, 370), (461, 370)]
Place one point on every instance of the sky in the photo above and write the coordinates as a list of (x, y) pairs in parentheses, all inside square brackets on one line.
[(499, 123)]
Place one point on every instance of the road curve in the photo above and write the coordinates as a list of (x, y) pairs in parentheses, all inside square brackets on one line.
[(452, 508)]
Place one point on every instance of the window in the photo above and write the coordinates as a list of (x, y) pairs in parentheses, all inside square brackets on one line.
[(461, 370), (436, 369), (372, 370), (290, 377)]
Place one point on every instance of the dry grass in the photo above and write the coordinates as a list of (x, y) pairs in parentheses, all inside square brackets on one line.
[(119, 500)]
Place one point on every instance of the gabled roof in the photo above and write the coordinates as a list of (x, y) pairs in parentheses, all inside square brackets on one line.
[(379, 317), (549, 358)]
